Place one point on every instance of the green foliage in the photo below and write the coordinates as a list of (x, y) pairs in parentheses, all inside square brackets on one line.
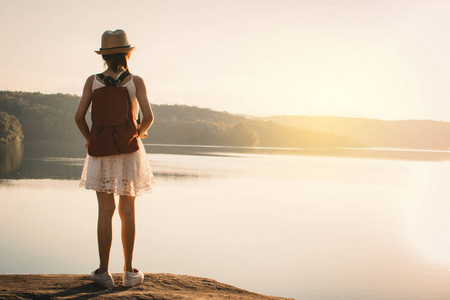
[(10, 129), (43, 117), (51, 118)]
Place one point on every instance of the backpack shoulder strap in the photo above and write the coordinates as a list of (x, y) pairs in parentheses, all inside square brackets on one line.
[(101, 76), (121, 77), (109, 81)]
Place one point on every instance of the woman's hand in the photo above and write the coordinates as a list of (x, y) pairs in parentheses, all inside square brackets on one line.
[(141, 135)]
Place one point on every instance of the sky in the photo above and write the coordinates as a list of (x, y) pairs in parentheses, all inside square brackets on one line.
[(382, 59)]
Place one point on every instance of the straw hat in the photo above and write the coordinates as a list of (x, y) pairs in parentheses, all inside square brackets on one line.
[(115, 42)]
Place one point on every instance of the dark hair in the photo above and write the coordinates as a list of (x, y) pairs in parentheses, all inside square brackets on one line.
[(117, 61)]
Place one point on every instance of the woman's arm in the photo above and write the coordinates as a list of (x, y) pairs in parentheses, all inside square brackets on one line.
[(141, 94), (80, 115)]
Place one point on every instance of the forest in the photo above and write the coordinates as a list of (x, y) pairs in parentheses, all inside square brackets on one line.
[(37, 117)]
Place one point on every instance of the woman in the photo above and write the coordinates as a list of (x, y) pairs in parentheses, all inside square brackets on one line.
[(128, 175)]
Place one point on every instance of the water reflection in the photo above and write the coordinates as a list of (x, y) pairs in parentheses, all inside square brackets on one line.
[(11, 156), (65, 161), (296, 226), (36, 162)]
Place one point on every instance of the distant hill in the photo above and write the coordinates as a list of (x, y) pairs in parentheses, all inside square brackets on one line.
[(50, 118), (414, 134)]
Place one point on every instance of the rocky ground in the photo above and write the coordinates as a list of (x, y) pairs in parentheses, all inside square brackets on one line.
[(155, 286)]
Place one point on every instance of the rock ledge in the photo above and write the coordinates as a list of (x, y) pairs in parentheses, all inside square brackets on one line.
[(160, 286)]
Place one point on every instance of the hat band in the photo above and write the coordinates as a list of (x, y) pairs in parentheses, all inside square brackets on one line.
[(115, 47)]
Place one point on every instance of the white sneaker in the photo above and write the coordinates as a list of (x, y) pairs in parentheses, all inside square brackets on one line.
[(104, 279), (132, 278)]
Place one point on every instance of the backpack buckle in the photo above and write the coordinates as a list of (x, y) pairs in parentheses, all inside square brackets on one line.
[(109, 81)]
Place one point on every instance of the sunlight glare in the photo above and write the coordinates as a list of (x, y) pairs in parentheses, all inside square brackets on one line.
[(426, 215)]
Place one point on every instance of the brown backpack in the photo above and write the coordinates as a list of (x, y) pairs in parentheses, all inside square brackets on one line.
[(113, 128)]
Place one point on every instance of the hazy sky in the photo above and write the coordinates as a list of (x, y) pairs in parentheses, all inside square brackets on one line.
[(377, 59)]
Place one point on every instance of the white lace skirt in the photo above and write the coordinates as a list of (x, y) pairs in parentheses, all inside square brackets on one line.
[(123, 174)]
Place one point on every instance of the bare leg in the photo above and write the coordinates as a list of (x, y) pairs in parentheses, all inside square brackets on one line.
[(126, 212), (106, 207)]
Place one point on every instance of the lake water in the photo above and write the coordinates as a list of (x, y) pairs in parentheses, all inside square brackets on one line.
[(308, 227)]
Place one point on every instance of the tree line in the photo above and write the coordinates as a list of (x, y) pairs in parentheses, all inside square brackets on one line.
[(409, 134), (50, 118)]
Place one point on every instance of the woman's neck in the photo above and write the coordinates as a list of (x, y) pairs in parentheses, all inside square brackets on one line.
[(111, 72)]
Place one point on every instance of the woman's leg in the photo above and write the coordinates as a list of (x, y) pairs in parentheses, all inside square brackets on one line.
[(106, 207), (126, 212)]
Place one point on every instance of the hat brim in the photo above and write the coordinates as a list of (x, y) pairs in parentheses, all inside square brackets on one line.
[(115, 51)]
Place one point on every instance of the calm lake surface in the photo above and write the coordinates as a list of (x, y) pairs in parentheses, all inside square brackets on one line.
[(308, 227)]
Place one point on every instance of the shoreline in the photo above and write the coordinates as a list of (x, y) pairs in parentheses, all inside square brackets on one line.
[(436, 155), (160, 286)]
